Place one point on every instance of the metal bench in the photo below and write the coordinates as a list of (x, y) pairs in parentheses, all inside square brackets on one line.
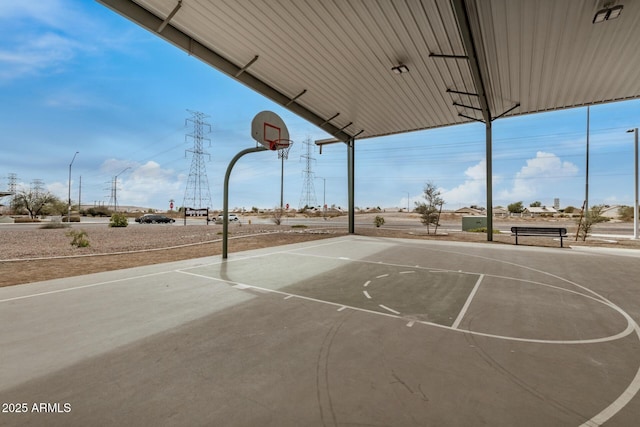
[(539, 231)]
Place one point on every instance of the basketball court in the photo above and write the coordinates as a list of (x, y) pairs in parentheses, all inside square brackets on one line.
[(345, 331)]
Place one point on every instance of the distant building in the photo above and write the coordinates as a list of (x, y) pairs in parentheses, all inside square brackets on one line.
[(539, 210), (500, 212), (470, 211)]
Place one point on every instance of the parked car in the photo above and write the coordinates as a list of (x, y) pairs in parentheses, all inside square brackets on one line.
[(154, 219), (232, 217)]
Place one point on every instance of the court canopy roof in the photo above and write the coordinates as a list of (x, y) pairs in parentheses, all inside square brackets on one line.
[(365, 68)]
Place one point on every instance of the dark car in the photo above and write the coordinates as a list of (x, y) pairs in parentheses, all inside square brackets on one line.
[(154, 219)]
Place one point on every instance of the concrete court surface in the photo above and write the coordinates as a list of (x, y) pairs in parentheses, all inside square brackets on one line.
[(349, 331)]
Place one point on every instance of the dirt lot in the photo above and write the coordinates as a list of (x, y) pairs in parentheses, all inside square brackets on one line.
[(41, 254)]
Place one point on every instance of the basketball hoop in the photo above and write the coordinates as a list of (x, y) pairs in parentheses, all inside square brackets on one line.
[(282, 146)]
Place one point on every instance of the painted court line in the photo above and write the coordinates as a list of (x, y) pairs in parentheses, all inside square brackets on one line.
[(91, 285), (366, 294), (389, 309), (467, 303), (368, 282)]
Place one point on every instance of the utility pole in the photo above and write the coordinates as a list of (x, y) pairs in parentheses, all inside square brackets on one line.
[(308, 197), (586, 191), (197, 194), (80, 194), (115, 189), (69, 205)]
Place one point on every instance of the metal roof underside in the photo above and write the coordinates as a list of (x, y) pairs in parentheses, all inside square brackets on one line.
[(330, 61)]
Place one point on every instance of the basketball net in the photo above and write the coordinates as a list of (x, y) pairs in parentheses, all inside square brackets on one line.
[(282, 146)]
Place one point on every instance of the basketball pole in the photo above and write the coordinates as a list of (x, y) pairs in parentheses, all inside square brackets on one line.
[(225, 217)]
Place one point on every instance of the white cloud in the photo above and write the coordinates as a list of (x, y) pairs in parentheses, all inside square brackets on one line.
[(472, 191), (539, 177), (149, 185)]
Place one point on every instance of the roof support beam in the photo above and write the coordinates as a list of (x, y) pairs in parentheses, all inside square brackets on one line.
[(457, 92), (135, 13), (170, 16), (462, 16), (249, 64)]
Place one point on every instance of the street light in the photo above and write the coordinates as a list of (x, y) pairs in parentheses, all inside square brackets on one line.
[(324, 196), (635, 203), (69, 205), (115, 189)]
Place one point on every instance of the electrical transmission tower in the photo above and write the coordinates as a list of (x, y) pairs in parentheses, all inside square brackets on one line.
[(308, 196), (197, 194), (37, 186), (12, 183)]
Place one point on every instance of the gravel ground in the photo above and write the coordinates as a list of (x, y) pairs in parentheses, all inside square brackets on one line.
[(38, 243), (33, 254)]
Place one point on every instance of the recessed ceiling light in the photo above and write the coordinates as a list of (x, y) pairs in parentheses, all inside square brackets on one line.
[(400, 69), (607, 14)]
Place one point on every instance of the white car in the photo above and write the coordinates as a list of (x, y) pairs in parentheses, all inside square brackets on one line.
[(232, 217)]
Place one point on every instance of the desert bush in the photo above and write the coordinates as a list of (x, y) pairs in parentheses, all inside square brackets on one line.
[(118, 220), (78, 238), (53, 225), (378, 221), (25, 220)]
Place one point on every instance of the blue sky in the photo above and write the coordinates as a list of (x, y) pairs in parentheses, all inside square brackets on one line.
[(74, 76)]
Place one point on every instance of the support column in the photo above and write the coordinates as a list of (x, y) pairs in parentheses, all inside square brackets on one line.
[(489, 160), (351, 145)]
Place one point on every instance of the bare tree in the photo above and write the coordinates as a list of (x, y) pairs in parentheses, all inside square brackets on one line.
[(430, 211), (33, 202), (594, 217)]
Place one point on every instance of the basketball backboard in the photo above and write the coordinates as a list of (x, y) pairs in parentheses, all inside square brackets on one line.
[(269, 129)]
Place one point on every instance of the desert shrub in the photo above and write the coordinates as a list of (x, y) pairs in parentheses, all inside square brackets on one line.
[(74, 218), (78, 238), (25, 220), (482, 230), (277, 216), (53, 225), (118, 220), (378, 221)]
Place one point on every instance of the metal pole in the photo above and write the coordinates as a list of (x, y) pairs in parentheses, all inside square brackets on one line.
[(282, 185), (351, 184), (324, 196), (489, 157), (586, 191), (635, 208), (69, 205), (115, 189), (635, 184), (225, 216)]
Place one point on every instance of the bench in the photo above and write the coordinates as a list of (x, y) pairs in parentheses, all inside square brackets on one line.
[(539, 231)]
